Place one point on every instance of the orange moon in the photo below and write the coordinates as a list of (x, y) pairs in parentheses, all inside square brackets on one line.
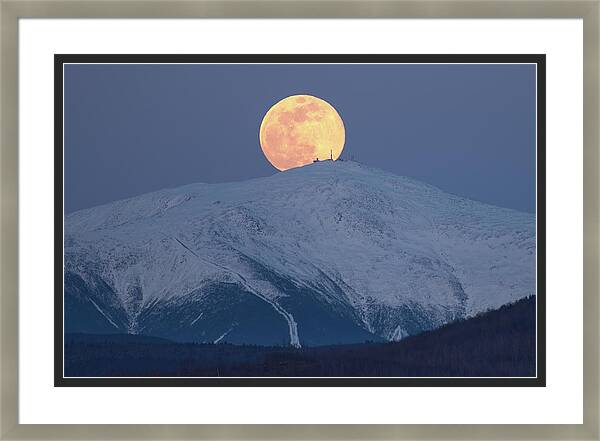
[(299, 129)]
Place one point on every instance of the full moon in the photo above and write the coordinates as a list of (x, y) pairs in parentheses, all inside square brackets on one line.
[(300, 129)]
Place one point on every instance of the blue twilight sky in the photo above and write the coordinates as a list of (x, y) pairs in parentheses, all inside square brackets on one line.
[(132, 129)]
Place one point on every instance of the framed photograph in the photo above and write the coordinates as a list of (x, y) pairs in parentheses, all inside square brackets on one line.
[(304, 256), (299, 220)]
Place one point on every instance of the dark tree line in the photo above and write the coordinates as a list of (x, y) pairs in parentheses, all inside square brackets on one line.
[(495, 343)]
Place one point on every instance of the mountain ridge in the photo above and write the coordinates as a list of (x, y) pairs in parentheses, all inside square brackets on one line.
[(333, 250)]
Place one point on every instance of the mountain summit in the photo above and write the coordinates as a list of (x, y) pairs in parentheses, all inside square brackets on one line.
[(333, 252)]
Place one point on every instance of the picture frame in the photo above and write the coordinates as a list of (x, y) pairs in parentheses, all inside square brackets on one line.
[(61, 339), (11, 11)]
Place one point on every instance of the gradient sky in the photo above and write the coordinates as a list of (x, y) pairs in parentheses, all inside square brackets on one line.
[(132, 129)]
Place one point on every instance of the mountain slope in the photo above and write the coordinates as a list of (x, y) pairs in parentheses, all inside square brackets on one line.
[(333, 252)]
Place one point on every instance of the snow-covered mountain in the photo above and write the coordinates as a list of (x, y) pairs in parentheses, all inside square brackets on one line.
[(332, 252)]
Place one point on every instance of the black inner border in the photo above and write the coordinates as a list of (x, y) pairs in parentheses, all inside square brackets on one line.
[(538, 59)]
